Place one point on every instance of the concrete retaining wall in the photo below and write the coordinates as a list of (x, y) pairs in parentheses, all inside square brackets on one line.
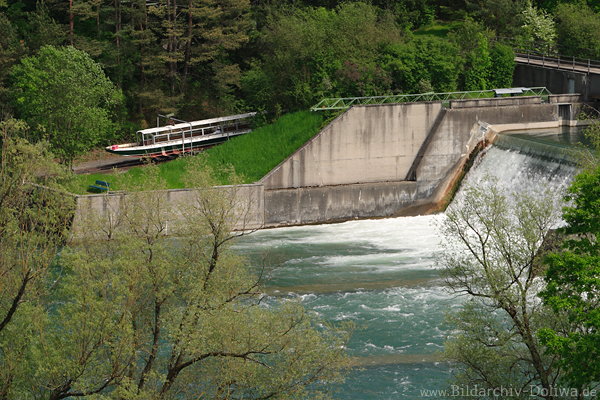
[(365, 144), (335, 203), (558, 80), (246, 201), (555, 80), (495, 102), (457, 134)]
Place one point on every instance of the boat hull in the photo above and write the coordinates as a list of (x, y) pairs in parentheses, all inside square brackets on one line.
[(167, 149)]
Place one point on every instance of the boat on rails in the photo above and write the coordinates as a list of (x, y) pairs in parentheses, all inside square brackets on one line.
[(185, 137)]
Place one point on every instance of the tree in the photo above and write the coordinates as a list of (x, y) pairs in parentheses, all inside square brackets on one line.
[(473, 40), (311, 53), (502, 66), (422, 64), (192, 44), (140, 315), (578, 29), (573, 284), (42, 29), (539, 29), (212, 30), (551, 5), (504, 17), (34, 219), (492, 250), (65, 95), (411, 14), (10, 51), (478, 65)]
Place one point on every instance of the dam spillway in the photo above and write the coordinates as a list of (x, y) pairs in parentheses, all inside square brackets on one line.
[(559, 144), (371, 161), (382, 275)]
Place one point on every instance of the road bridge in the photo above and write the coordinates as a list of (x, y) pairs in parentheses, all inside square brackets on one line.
[(559, 74), (559, 62)]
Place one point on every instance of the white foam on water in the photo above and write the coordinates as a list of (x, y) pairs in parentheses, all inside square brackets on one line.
[(304, 297), (399, 319), (418, 234), (344, 316)]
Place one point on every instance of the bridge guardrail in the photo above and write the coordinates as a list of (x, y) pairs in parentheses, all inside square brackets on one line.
[(561, 62)]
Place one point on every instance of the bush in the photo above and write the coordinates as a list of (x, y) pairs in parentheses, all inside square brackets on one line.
[(66, 96)]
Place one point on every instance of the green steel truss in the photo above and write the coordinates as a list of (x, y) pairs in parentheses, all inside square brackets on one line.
[(342, 103)]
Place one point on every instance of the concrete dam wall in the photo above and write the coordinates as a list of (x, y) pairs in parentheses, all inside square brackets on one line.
[(371, 161), (243, 205), (366, 163), (365, 144)]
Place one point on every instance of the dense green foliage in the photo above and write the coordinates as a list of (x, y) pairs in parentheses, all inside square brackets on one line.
[(201, 58), (425, 64), (578, 30), (35, 217), (251, 155), (330, 58), (502, 66), (126, 312), (573, 284), (539, 29), (573, 274), (65, 95), (478, 64), (128, 315)]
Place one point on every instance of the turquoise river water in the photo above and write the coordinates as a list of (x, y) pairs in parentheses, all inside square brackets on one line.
[(382, 275)]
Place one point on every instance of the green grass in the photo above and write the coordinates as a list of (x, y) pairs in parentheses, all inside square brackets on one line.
[(252, 155), (255, 154), (437, 28)]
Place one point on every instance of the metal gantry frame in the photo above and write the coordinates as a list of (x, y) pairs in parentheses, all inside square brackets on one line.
[(342, 103)]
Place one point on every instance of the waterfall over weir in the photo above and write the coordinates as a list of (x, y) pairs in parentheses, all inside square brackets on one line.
[(382, 275), (540, 143), (519, 172)]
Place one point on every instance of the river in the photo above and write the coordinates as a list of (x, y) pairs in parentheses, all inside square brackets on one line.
[(382, 275)]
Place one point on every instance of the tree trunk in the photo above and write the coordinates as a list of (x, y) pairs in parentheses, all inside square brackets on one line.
[(71, 22), (117, 5), (173, 49), (98, 20), (16, 300), (188, 47), (536, 359)]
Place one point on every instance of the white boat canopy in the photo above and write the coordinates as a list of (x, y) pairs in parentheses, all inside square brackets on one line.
[(195, 125)]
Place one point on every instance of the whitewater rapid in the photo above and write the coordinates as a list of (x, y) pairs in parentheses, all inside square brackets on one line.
[(382, 275)]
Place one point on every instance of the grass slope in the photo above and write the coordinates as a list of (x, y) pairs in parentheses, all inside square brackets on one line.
[(437, 28), (252, 155)]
